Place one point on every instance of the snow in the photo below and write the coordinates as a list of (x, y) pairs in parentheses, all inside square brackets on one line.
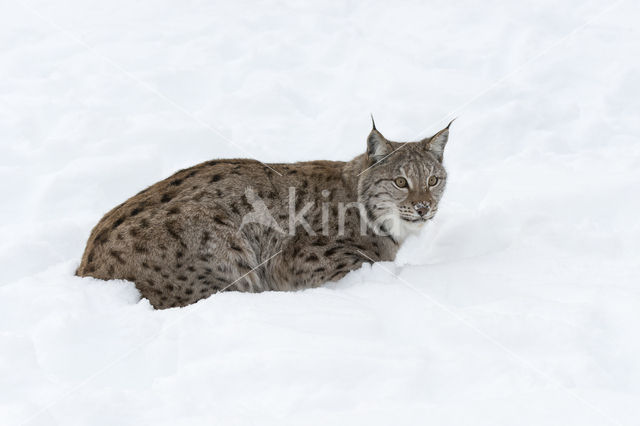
[(519, 304)]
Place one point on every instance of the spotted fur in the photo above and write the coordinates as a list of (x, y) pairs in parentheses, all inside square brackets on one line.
[(184, 239)]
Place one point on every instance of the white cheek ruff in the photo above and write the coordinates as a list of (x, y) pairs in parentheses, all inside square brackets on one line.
[(401, 229)]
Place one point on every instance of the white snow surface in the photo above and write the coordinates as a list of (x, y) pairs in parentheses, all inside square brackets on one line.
[(519, 304)]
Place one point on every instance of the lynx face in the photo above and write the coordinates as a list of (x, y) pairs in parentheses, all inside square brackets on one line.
[(404, 184)]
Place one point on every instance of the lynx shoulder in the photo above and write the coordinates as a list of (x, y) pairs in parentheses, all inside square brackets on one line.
[(247, 226)]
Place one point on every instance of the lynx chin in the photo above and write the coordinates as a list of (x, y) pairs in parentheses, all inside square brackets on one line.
[(248, 226)]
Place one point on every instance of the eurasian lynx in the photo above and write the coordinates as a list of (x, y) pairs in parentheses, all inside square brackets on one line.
[(248, 226)]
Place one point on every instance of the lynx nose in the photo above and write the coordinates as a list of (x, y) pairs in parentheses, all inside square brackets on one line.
[(421, 207)]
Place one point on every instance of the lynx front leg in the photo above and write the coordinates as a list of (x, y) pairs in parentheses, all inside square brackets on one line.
[(307, 262)]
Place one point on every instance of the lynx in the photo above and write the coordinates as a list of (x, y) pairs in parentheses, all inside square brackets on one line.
[(247, 226)]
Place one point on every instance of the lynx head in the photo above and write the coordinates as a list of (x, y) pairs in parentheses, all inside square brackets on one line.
[(403, 182)]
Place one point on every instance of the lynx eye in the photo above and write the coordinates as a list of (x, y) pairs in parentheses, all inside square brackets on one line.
[(400, 182), (433, 180)]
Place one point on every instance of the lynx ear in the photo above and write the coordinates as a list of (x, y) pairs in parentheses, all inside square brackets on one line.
[(377, 145), (436, 143)]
